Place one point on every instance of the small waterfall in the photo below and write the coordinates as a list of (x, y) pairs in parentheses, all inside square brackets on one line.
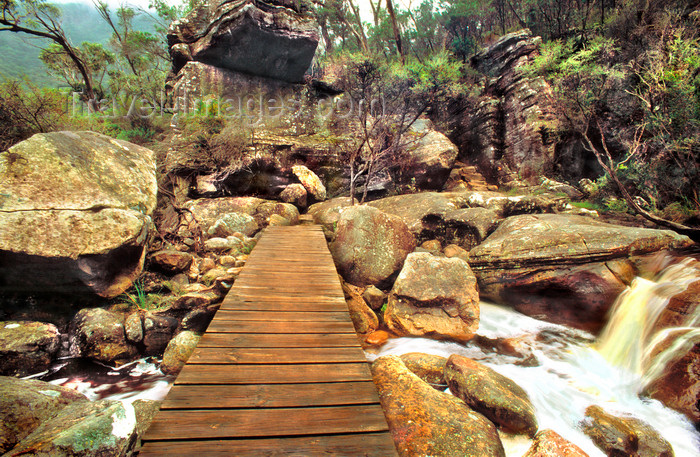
[(629, 337)]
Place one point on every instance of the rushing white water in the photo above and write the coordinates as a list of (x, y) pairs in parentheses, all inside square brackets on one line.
[(563, 374)]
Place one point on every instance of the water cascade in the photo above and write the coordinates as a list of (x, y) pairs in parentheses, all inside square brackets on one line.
[(565, 370)]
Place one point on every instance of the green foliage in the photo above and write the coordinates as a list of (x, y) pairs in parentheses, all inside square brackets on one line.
[(137, 297)]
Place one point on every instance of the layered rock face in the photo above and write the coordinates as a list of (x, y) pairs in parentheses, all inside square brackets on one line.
[(75, 211), (233, 40), (508, 134)]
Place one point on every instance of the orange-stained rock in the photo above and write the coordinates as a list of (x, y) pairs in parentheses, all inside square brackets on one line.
[(377, 338), (430, 368), (426, 422), (363, 318), (492, 394), (548, 443)]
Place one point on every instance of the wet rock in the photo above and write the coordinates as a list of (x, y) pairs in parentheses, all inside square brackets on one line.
[(434, 297), (370, 246), (548, 443), (27, 347), (295, 194), (76, 213), (430, 368), (99, 335), (157, 332), (363, 318), (133, 327), (171, 261), (25, 404), (680, 309), (100, 429), (146, 411), (274, 39), (628, 436), (565, 269), (674, 372), (377, 338), (495, 396), (431, 157), (310, 181), (178, 351), (424, 421), (374, 297)]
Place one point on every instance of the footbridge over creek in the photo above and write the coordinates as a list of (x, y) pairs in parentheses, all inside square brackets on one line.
[(280, 371)]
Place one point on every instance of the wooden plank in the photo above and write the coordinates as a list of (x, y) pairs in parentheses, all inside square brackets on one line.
[(262, 356), (273, 374), (282, 316), (242, 340), (223, 326), (282, 305), (244, 423), (356, 445), (270, 395)]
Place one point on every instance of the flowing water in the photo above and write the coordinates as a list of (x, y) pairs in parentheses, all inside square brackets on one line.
[(564, 370)]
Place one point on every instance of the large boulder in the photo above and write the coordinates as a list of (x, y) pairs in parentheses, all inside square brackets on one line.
[(434, 297), (430, 157), (100, 335), (25, 404), (430, 368), (311, 182), (624, 435), (95, 429), (178, 352), (424, 421), (76, 210), (561, 268), (27, 347), (504, 402), (272, 38), (370, 246)]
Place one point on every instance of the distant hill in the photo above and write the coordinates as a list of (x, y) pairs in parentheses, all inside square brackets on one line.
[(20, 52)]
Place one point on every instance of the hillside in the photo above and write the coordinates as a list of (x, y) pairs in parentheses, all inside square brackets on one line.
[(81, 23)]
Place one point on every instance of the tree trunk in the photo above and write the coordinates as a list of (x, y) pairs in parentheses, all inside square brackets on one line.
[(395, 28)]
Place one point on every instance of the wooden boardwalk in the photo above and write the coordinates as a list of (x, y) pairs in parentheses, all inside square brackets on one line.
[(280, 371)]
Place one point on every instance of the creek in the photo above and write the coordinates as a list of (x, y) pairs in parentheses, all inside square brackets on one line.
[(565, 370)]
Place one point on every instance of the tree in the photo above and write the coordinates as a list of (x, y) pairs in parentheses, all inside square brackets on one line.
[(95, 57), (41, 19)]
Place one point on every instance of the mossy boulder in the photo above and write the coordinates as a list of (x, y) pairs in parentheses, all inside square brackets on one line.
[(100, 335), (178, 351), (27, 347), (75, 212)]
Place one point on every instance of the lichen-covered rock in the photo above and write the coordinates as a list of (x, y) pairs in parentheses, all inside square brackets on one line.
[(617, 435), (548, 443), (99, 335), (25, 404), (295, 194), (273, 39), (370, 246), (427, 422), (178, 351), (171, 261), (434, 297), (201, 299), (498, 398), (584, 260), (75, 213), (231, 223), (27, 347), (82, 429), (133, 327), (430, 368), (310, 181)]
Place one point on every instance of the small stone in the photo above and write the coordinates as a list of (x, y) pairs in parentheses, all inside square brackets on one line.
[(133, 327), (363, 318), (453, 250), (547, 443), (198, 319), (158, 330), (171, 261), (432, 246), (278, 221), (377, 338), (210, 276), (193, 272), (222, 244), (233, 223), (206, 264), (227, 261), (374, 297), (195, 300), (295, 194)]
